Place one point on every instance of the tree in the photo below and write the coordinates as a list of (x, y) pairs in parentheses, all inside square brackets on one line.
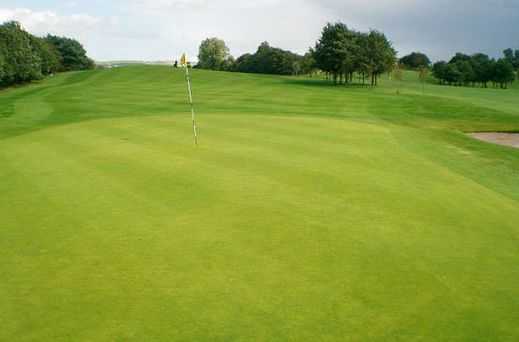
[(48, 54), (244, 63), (460, 57), (415, 60), (440, 71), (341, 52), (2, 67), (72, 53), (451, 74), (331, 50), (512, 57), (269, 60), (476, 69), (24, 57), (213, 54), (482, 66), (21, 63), (381, 57), (307, 63), (503, 73), (467, 74)]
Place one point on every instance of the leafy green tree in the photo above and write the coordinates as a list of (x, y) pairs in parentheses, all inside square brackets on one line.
[(460, 57), (512, 57), (482, 66), (244, 63), (72, 53), (228, 64), (381, 57), (24, 57), (268, 60), (503, 73), (467, 74), (476, 69), (21, 63), (213, 54), (308, 66), (439, 71), (415, 60), (48, 54), (2, 67), (341, 52), (452, 75), (331, 51)]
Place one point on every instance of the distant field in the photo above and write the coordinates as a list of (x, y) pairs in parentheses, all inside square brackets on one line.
[(308, 211)]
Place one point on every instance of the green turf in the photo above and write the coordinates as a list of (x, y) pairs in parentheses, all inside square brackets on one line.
[(308, 212)]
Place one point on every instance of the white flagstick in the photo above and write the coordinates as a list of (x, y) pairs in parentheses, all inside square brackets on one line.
[(195, 132)]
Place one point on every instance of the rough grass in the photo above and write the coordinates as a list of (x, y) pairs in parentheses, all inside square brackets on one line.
[(308, 212)]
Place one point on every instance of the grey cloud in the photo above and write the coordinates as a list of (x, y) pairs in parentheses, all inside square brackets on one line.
[(159, 29)]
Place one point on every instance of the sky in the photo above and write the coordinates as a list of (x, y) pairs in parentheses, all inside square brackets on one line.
[(163, 29)]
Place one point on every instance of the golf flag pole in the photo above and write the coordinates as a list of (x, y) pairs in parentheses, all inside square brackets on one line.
[(183, 62)]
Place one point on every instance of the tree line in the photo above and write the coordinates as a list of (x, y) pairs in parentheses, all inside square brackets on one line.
[(25, 57), (478, 70), (213, 54), (339, 53)]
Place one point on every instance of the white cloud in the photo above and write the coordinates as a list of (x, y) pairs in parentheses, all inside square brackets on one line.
[(160, 29), (183, 24), (43, 22)]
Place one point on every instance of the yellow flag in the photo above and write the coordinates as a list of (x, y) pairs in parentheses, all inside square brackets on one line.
[(183, 60)]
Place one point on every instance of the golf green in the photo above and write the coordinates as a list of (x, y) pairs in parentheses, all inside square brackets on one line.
[(307, 212)]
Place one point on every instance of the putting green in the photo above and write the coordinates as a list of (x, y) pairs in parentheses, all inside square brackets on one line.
[(277, 227)]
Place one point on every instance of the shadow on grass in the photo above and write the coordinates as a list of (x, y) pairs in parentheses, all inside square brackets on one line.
[(322, 83)]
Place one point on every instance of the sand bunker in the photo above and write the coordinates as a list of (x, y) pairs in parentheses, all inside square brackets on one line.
[(506, 139)]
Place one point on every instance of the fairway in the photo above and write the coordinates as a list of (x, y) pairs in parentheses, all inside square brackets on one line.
[(307, 212)]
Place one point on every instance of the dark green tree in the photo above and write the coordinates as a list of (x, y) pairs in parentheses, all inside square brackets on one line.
[(512, 57), (503, 73), (21, 63), (482, 66), (467, 75), (48, 54), (440, 71), (416, 61), (460, 57), (341, 52), (244, 63), (2, 66), (331, 50), (72, 53), (269, 60), (24, 57), (452, 75), (381, 57), (308, 65)]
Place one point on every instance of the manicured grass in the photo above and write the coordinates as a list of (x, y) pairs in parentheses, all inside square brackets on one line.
[(308, 212)]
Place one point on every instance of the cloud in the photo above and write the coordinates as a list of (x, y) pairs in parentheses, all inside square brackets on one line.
[(43, 22), (163, 29), (183, 24)]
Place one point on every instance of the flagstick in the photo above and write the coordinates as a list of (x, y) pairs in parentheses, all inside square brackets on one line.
[(195, 133)]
